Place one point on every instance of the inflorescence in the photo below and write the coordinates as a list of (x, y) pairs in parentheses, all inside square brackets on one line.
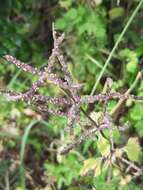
[(73, 101)]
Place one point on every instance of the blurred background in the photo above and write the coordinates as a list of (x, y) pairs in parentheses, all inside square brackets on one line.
[(91, 29)]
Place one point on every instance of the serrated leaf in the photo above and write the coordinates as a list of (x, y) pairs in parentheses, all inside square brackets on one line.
[(91, 164), (133, 149), (103, 146)]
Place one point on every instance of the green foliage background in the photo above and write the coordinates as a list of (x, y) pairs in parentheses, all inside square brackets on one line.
[(91, 28)]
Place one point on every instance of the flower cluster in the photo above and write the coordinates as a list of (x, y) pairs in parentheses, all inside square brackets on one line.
[(73, 100)]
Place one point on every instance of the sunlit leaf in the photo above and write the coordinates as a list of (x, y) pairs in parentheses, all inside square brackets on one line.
[(124, 181), (98, 2), (97, 170), (97, 117), (103, 146), (133, 149), (91, 164), (65, 3)]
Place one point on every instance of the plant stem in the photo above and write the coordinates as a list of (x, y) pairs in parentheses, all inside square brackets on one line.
[(115, 111), (116, 45), (22, 152)]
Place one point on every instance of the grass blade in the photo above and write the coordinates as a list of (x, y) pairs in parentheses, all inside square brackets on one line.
[(116, 46), (22, 152)]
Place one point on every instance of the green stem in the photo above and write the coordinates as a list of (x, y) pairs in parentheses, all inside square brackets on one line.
[(22, 152), (115, 46)]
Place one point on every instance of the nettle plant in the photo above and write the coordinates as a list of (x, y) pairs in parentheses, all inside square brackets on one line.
[(100, 125)]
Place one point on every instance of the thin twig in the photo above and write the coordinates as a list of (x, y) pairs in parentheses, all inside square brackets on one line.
[(89, 133), (114, 112)]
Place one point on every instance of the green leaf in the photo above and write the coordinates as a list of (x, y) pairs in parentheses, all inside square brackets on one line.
[(103, 146), (65, 3), (133, 149), (61, 24), (19, 188), (91, 164), (5, 8), (87, 144), (139, 127), (71, 14), (97, 170), (98, 2), (131, 58), (116, 12), (136, 113), (132, 64)]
